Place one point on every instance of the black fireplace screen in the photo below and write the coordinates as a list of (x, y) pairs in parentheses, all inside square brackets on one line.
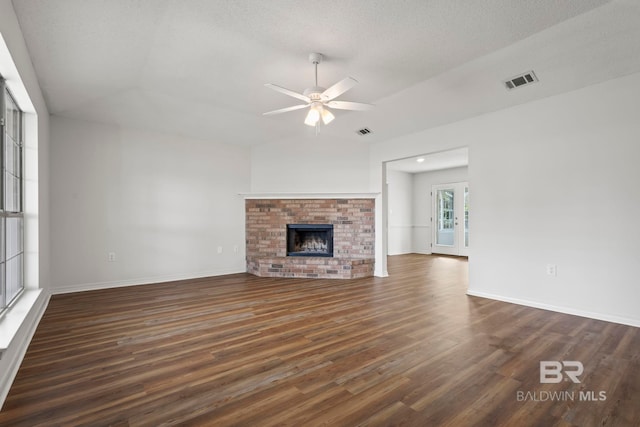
[(310, 240)]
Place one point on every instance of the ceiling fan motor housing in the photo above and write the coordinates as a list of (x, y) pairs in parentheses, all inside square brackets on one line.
[(314, 92), (315, 58)]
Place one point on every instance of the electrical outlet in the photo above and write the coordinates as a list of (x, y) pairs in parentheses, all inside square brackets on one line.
[(219, 249), (236, 249), (552, 270), (111, 256)]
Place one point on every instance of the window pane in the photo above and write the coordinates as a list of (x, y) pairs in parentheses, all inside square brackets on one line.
[(12, 181), (14, 237), (2, 237), (445, 230), (8, 115), (3, 299), (9, 162), (8, 192), (14, 277), (12, 118), (14, 257)]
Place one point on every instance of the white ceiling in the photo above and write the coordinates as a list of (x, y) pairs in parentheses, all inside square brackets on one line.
[(197, 67), (432, 162)]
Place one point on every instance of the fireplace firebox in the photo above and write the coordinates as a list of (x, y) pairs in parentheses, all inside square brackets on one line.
[(310, 240)]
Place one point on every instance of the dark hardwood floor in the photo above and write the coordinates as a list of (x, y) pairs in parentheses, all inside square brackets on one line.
[(411, 349)]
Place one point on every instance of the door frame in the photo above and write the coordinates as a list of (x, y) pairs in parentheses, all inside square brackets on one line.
[(458, 248)]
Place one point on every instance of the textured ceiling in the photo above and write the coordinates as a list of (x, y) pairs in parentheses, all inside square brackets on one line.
[(197, 67)]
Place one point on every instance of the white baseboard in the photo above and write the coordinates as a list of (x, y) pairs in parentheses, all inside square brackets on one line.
[(559, 309), (379, 272), (422, 251), (142, 281), (13, 356)]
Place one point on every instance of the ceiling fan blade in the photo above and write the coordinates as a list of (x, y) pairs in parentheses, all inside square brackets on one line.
[(346, 105), (288, 92), (284, 110), (339, 88)]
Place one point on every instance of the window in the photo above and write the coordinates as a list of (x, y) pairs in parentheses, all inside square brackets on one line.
[(445, 209), (11, 199)]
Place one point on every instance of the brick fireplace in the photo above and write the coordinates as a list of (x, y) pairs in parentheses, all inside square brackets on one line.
[(352, 227)]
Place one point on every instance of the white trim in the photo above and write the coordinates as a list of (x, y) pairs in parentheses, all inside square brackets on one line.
[(422, 252), (559, 309), (15, 316), (142, 281), (10, 73), (32, 303), (379, 272), (249, 196)]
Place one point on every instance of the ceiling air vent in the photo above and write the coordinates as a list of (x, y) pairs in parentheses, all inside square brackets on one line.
[(363, 131), (521, 80)]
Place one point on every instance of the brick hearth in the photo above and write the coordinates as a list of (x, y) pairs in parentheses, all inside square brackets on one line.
[(353, 233)]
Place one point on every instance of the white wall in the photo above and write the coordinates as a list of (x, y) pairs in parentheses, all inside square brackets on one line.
[(163, 204), (549, 181), (400, 211), (409, 208), (422, 201), (322, 164), (19, 323)]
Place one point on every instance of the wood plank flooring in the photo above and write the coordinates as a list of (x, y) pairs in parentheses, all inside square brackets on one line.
[(411, 349)]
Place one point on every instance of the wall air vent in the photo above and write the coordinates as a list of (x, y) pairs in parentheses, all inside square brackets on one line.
[(521, 80), (364, 131)]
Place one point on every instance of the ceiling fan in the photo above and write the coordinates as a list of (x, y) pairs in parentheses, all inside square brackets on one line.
[(319, 99)]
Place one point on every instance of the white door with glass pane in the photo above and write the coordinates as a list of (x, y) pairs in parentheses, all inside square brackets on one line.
[(450, 219)]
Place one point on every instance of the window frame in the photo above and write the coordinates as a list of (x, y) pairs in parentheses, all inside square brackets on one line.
[(6, 96)]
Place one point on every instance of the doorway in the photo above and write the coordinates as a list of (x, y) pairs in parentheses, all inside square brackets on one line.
[(450, 219), (406, 221)]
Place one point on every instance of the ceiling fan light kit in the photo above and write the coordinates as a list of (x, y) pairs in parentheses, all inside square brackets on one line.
[(312, 116), (327, 116), (319, 99)]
